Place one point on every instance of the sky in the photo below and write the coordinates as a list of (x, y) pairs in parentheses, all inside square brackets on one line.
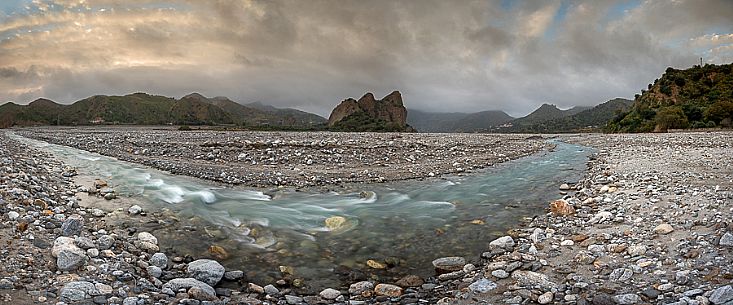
[(446, 56)]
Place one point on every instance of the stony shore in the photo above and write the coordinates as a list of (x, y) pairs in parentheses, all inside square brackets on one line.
[(294, 159), (650, 223)]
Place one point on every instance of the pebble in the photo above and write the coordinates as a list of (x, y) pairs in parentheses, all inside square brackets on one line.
[(627, 299), (663, 229), (503, 243), (726, 240), (453, 263), (482, 286), (134, 210), (13, 215), (330, 294), (545, 298), (359, 288), (72, 225), (388, 290)]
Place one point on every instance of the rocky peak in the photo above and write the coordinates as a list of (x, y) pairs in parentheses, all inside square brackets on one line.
[(389, 109)]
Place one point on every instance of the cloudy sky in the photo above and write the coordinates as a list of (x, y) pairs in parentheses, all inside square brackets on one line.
[(311, 54)]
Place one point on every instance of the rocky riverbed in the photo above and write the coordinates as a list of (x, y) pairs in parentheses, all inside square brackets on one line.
[(294, 159), (650, 223)]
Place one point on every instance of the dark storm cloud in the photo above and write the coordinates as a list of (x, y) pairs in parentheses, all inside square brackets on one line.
[(442, 55)]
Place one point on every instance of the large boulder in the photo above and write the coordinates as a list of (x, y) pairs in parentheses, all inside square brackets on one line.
[(206, 270), (68, 256)]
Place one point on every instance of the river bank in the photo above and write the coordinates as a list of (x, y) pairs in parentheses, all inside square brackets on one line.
[(614, 248)]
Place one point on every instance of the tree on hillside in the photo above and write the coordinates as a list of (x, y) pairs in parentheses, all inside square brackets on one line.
[(670, 118), (721, 112)]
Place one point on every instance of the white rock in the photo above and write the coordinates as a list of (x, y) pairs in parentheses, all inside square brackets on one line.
[(13, 215)]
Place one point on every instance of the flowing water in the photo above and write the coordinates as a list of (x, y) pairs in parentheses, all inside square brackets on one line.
[(404, 225)]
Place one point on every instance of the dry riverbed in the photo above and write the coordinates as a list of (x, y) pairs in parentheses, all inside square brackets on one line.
[(650, 223), (294, 159)]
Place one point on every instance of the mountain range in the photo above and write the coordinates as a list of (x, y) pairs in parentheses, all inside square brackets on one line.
[(547, 119), (366, 114), (146, 109)]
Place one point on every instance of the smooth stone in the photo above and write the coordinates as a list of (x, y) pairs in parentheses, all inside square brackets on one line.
[(271, 290), (663, 229), (504, 243), (500, 273), (206, 270), (453, 263), (293, 300), (105, 242), (330, 294), (545, 298), (134, 210), (388, 290), (155, 271), (567, 242), (188, 283), (233, 275), (359, 288), (147, 237), (159, 260), (13, 215)]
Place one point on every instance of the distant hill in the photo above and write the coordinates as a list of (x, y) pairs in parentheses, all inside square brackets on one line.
[(582, 118), (692, 98), (456, 121), (145, 109), (289, 115), (370, 114)]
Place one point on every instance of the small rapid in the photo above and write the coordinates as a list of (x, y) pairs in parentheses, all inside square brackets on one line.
[(406, 224)]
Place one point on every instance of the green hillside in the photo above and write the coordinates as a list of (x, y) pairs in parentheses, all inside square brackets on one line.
[(692, 98), (146, 109), (588, 120)]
